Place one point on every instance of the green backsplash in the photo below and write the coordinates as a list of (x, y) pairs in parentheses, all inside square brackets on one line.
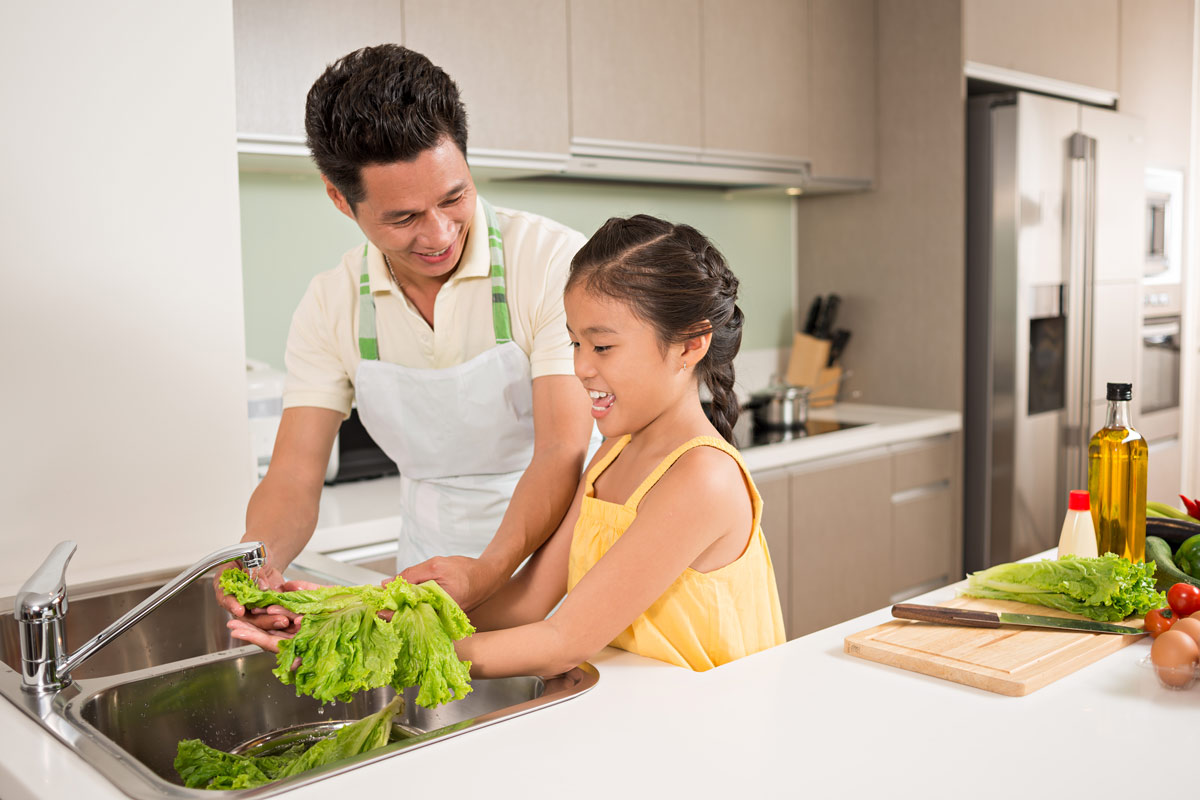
[(291, 231)]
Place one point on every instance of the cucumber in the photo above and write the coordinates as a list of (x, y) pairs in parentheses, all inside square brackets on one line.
[(1164, 510), (1173, 531), (1166, 574)]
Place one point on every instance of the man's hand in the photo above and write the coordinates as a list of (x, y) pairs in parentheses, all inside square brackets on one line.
[(268, 619), (468, 580)]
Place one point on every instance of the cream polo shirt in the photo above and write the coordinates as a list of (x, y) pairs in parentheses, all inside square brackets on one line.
[(322, 347)]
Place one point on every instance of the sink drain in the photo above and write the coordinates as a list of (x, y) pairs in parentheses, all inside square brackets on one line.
[(308, 734)]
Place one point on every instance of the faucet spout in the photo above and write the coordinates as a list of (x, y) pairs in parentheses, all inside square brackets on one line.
[(42, 607)]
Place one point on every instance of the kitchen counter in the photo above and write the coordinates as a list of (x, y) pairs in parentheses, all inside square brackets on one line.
[(801, 719), (367, 512)]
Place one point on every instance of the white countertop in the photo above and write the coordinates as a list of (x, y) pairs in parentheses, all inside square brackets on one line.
[(802, 719), (366, 512)]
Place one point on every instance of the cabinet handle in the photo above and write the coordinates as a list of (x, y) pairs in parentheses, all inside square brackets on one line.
[(946, 616)]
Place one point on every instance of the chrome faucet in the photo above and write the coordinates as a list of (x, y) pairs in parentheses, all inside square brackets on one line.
[(41, 611)]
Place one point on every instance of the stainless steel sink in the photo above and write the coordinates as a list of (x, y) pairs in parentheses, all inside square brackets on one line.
[(178, 675), (236, 703), (190, 624)]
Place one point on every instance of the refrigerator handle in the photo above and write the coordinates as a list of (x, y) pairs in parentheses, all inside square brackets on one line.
[(1080, 311)]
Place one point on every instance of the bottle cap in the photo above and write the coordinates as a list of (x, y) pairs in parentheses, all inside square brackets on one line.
[(1120, 391), (1079, 500)]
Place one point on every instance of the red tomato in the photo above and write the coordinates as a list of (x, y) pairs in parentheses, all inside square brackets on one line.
[(1184, 599), (1157, 621)]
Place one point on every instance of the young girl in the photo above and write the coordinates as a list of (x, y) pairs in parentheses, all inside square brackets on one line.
[(660, 552)]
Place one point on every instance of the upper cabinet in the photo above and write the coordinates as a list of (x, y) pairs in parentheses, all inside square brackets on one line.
[(510, 66), (732, 92), (635, 72), (1069, 41), (841, 96), (755, 77), (282, 46), (1156, 76)]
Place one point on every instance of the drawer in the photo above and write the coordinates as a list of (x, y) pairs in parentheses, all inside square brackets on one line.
[(922, 463)]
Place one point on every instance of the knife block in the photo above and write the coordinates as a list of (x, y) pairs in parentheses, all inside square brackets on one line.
[(808, 359), (827, 394)]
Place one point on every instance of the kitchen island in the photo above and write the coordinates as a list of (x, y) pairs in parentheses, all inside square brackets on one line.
[(801, 719)]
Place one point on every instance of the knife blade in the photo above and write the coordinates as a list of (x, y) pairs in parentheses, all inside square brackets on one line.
[(990, 619), (814, 314)]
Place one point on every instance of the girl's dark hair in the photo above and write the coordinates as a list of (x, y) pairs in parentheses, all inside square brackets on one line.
[(379, 105), (677, 281)]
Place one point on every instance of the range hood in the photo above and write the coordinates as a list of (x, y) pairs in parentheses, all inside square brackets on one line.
[(593, 159)]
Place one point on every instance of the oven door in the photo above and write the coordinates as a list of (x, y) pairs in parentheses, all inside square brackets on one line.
[(1160, 364), (1159, 419)]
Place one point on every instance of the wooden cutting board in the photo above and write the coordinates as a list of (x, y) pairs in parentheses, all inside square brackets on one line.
[(1007, 660)]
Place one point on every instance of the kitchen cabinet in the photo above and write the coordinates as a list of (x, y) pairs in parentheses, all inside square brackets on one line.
[(282, 46), (852, 533), (635, 72), (511, 67), (1156, 76), (842, 94), (755, 76), (692, 84), (1066, 41)]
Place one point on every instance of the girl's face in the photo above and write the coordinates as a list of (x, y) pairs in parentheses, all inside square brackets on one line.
[(630, 377)]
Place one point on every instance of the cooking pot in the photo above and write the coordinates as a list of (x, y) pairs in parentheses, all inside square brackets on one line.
[(780, 407)]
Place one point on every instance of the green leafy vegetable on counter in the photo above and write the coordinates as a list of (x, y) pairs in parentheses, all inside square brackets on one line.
[(344, 646), (204, 767), (1108, 588)]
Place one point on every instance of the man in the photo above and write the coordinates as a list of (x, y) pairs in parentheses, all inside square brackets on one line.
[(447, 329)]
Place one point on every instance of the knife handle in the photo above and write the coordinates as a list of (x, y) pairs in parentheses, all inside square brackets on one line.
[(946, 616)]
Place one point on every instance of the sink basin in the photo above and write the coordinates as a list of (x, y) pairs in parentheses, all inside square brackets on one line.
[(189, 624), (236, 704), (178, 675)]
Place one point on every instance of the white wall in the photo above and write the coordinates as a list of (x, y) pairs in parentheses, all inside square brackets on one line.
[(121, 331)]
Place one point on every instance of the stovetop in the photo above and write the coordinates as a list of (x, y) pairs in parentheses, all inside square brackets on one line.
[(747, 435)]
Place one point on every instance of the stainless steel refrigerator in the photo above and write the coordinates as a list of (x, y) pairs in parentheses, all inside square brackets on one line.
[(1055, 208)]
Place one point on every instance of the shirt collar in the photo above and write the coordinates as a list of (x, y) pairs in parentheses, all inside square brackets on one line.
[(476, 261)]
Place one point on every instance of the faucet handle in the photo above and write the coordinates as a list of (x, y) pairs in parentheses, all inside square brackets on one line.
[(44, 595)]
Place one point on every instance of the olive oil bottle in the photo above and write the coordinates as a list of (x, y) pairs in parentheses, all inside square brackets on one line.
[(1117, 464)]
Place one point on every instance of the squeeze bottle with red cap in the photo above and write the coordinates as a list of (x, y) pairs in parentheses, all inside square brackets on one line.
[(1078, 533)]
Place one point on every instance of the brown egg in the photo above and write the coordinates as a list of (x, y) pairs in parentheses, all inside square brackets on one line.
[(1190, 626), (1174, 655)]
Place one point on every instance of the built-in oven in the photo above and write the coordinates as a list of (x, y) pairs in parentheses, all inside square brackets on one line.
[(1159, 417)]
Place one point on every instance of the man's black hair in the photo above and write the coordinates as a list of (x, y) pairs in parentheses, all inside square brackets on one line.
[(379, 105)]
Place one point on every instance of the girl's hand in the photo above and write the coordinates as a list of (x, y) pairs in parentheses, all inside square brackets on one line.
[(267, 640)]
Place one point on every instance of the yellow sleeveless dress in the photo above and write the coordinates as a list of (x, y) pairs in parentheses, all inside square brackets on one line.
[(704, 619)]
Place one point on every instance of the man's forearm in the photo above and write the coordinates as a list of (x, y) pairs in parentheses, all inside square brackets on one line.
[(539, 502), (283, 517)]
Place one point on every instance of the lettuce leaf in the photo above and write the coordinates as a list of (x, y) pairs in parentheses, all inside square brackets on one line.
[(1107, 589), (204, 767), (344, 646)]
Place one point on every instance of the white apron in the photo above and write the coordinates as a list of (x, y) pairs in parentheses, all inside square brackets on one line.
[(461, 436)]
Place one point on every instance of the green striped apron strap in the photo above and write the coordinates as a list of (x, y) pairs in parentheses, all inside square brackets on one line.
[(501, 321), (368, 344)]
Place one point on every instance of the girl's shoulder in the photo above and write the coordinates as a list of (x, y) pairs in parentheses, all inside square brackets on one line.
[(705, 469)]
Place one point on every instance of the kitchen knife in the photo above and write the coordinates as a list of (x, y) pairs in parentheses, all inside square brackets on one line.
[(990, 619), (814, 315), (840, 337), (828, 315)]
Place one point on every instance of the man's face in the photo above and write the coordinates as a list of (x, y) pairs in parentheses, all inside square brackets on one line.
[(417, 212)]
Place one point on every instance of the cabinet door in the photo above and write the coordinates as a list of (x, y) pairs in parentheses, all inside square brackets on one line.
[(841, 540), (755, 76), (1116, 343), (635, 71), (282, 46), (842, 88), (922, 539), (1067, 40), (510, 63), (777, 528)]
